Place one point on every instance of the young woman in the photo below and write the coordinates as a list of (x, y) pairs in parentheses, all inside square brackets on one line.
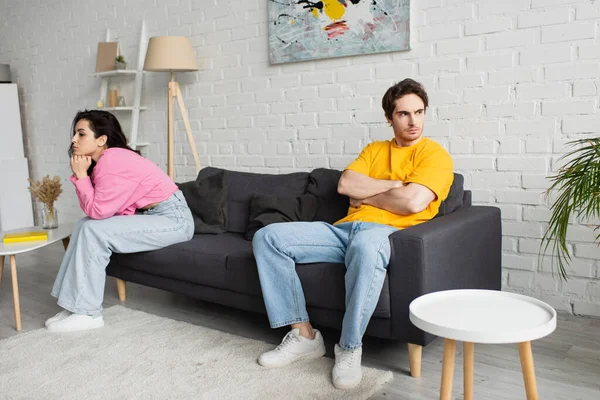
[(131, 205)]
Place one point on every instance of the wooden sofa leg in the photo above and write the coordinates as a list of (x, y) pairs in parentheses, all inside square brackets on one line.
[(122, 289), (414, 357)]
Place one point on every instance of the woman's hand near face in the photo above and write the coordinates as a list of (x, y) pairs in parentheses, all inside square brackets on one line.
[(80, 165)]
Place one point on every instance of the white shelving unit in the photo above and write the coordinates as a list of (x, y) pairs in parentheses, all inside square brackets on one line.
[(16, 210), (138, 75)]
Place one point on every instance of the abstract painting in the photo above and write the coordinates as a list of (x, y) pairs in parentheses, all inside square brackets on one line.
[(310, 29)]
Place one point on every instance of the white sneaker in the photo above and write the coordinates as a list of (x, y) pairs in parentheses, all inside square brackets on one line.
[(346, 372), (60, 316), (293, 347), (76, 322)]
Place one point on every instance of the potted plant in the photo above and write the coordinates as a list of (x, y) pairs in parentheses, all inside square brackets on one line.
[(578, 186), (120, 62)]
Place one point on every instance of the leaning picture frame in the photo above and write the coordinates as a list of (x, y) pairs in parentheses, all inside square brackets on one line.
[(105, 58)]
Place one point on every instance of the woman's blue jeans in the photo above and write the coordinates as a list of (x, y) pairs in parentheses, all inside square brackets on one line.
[(79, 285), (363, 246)]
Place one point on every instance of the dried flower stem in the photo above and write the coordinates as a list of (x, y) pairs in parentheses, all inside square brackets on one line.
[(47, 191)]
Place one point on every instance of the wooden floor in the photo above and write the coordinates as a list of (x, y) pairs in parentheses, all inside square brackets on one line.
[(567, 363)]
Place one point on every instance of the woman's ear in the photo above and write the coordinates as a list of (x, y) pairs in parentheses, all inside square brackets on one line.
[(102, 141)]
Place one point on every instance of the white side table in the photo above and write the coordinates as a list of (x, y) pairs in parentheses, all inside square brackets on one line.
[(482, 316), (63, 232)]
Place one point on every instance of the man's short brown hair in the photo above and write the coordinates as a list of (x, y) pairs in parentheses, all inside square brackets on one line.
[(407, 86)]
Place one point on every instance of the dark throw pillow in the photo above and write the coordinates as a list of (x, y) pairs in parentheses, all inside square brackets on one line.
[(332, 206), (266, 209), (207, 199), (454, 201)]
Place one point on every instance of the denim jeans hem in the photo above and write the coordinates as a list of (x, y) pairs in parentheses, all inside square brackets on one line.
[(345, 347), (289, 322), (78, 310)]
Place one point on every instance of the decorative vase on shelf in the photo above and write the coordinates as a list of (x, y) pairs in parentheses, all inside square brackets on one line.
[(49, 217)]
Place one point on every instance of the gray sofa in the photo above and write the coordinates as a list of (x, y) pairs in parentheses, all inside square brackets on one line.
[(459, 248)]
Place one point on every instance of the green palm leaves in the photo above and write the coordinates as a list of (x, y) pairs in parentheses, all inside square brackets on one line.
[(578, 186)]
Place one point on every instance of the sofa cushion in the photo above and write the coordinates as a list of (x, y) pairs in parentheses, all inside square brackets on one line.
[(454, 201), (207, 199), (266, 209), (323, 283), (331, 206), (241, 274), (241, 185), (201, 260)]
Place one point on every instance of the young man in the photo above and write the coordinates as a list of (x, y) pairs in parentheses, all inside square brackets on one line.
[(392, 185)]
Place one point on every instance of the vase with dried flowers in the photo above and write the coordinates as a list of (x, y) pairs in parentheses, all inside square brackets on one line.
[(47, 191)]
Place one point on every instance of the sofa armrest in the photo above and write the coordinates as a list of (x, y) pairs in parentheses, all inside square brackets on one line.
[(461, 250)]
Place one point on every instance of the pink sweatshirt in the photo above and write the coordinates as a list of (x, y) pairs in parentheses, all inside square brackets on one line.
[(122, 181)]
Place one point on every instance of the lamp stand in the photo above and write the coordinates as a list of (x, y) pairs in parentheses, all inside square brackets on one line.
[(175, 92)]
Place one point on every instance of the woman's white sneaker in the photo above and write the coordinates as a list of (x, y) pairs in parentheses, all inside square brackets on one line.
[(76, 322), (347, 372), (60, 316), (293, 347)]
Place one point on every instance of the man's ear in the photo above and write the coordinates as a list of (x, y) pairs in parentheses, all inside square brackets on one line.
[(389, 121)]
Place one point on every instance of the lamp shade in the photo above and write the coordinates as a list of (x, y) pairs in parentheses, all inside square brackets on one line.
[(170, 53)]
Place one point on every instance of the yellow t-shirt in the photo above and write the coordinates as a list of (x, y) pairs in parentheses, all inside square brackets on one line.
[(426, 163)]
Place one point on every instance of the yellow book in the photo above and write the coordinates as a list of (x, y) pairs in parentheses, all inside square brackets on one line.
[(25, 236)]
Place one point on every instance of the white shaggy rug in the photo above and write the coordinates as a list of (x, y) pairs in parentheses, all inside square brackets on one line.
[(143, 356)]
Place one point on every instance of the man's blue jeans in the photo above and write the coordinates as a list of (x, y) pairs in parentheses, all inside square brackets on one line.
[(363, 246)]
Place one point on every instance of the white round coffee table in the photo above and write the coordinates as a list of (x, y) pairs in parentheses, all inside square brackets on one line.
[(482, 316), (63, 232)]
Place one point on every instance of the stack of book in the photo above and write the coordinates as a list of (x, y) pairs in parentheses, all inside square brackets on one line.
[(25, 236)]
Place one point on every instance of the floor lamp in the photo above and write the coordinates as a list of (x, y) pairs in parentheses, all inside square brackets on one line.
[(173, 54)]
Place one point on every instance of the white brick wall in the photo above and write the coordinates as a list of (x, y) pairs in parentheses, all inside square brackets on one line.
[(510, 81)]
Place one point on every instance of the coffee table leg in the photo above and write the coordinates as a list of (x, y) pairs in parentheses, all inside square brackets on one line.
[(1, 268), (468, 360), (528, 370), (448, 369), (15, 287)]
